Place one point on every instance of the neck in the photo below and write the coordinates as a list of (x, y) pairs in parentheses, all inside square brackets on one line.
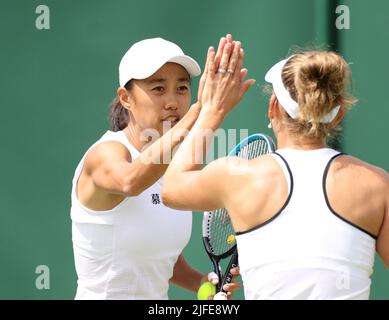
[(134, 134), (284, 140)]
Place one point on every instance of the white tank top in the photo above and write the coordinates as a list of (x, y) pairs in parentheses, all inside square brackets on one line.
[(306, 251), (128, 252)]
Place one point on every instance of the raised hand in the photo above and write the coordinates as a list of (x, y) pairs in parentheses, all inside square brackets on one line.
[(222, 43), (223, 84)]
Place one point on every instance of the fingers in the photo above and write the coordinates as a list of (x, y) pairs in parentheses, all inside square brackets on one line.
[(225, 56), (206, 62), (211, 62), (223, 83), (205, 72), (238, 69), (229, 39), (223, 41), (235, 65), (235, 272), (203, 76), (231, 287), (228, 55), (220, 48), (236, 59), (242, 75)]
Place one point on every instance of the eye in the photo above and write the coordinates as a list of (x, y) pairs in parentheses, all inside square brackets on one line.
[(159, 89), (183, 88)]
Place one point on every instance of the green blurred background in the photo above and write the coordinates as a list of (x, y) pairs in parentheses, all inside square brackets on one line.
[(56, 85)]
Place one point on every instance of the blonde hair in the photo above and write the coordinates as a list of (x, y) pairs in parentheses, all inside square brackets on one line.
[(318, 81)]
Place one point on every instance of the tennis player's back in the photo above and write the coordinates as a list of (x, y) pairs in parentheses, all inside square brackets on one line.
[(321, 244)]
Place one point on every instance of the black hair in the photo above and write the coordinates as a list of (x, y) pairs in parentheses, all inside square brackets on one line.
[(118, 115)]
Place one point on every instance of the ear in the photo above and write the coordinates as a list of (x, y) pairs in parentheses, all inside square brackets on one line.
[(125, 98), (273, 106), (339, 118)]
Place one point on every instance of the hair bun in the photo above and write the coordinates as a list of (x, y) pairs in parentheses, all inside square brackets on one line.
[(320, 84), (317, 81)]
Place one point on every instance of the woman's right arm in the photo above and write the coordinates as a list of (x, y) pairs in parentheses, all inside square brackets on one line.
[(383, 236), (111, 168)]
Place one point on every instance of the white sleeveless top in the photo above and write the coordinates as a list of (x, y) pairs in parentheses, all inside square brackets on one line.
[(306, 251), (128, 252)]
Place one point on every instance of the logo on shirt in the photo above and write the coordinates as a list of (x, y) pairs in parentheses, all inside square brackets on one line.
[(155, 198)]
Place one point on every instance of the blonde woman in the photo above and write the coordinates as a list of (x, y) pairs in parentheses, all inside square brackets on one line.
[(308, 218)]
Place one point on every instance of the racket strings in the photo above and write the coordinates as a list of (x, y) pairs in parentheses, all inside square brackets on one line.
[(220, 230), (254, 149)]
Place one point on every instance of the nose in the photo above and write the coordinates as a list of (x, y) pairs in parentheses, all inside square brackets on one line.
[(171, 102)]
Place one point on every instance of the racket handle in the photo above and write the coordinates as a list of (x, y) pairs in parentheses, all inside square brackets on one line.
[(220, 296), (233, 264)]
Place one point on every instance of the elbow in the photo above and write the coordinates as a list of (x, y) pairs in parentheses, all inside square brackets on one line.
[(172, 198), (130, 188), (168, 195), (130, 191)]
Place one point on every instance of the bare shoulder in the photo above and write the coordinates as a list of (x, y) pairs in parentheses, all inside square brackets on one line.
[(108, 151), (264, 162), (359, 192), (358, 169), (234, 169), (251, 187)]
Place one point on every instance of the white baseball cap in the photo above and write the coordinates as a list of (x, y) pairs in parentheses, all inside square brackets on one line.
[(145, 57)]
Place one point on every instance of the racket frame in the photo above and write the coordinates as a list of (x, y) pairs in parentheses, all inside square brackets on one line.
[(208, 216)]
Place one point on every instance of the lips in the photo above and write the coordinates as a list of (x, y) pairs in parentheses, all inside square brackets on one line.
[(173, 119)]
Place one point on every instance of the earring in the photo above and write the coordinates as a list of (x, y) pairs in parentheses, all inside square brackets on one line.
[(269, 125)]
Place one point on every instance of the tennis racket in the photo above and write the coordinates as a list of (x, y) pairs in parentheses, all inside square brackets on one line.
[(218, 233)]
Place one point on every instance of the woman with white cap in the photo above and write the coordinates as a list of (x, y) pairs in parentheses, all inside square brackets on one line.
[(308, 219), (127, 244)]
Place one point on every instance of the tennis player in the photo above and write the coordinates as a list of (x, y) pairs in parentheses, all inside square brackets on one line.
[(308, 219), (127, 244)]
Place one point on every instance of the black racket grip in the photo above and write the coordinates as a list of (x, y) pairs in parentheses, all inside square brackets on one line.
[(233, 264)]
